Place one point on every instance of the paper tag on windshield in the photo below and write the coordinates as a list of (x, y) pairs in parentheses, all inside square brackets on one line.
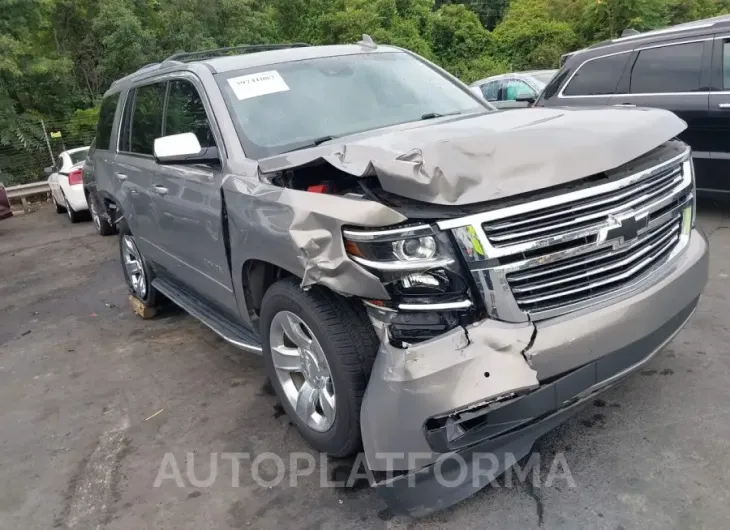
[(254, 85)]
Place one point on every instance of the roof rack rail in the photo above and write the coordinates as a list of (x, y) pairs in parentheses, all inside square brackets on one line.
[(244, 48)]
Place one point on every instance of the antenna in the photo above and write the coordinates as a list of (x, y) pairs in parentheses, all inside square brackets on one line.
[(367, 42)]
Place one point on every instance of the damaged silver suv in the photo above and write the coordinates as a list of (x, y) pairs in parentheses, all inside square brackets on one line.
[(424, 277)]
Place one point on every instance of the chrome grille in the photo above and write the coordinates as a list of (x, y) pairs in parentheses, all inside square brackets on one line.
[(592, 274), (555, 255), (581, 214)]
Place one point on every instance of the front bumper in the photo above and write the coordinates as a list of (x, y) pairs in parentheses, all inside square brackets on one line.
[(513, 383)]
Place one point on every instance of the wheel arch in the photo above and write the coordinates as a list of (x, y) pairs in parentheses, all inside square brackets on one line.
[(256, 278)]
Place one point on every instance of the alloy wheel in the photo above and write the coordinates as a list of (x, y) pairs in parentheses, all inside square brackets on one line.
[(302, 370), (94, 214), (133, 265)]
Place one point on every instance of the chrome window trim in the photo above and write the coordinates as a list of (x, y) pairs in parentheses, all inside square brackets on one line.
[(667, 44), (565, 85), (662, 45)]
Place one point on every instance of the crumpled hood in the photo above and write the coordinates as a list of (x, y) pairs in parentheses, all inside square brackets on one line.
[(494, 155)]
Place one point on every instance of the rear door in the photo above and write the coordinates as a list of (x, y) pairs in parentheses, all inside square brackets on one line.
[(189, 199), (103, 156), (674, 76), (135, 166), (716, 180)]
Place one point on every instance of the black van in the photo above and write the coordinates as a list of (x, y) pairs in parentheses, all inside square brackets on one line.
[(684, 68)]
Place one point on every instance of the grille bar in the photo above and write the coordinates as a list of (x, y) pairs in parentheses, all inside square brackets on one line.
[(599, 287), (601, 273), (550, 223)]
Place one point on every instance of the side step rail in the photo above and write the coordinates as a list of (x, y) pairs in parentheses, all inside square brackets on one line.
[(223, 326)]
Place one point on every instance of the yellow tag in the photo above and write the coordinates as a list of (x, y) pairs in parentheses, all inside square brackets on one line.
[(475, 240), (687, 220), (55, 134)]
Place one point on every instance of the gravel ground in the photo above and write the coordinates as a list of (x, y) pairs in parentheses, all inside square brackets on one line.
[(92, 398)]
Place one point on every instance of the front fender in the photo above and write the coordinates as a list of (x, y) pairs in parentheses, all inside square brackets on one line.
[(300, 232)]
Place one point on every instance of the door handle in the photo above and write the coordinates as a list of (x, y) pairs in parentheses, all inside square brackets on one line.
[(624, 105), (159, 190), (120, 176), (724, 105)]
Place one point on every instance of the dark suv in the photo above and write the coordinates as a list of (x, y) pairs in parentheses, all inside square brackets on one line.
[(684, 69)]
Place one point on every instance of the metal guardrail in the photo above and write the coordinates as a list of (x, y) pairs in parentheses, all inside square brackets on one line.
[(23, 191)]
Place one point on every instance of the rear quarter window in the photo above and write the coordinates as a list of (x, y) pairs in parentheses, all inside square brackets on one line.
[(597, 77)]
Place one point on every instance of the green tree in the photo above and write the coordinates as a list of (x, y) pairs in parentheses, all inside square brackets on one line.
[(528, 38)]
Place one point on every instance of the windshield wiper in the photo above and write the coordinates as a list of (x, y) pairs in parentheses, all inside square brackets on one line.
[(313, 143), (432, 115)]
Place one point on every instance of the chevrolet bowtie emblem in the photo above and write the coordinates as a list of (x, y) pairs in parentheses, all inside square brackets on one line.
[(622, 229)]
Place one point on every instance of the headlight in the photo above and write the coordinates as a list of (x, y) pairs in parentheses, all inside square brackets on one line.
[(415, 249), (416, 264)]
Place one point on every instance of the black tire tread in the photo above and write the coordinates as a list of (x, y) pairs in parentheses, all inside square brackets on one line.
[(59, 208), (352, 337)]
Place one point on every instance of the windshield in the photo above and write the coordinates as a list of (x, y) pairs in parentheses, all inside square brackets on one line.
[(292, 105), (78, 156)]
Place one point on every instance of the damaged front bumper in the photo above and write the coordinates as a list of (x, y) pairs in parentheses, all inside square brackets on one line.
[(496, 387)]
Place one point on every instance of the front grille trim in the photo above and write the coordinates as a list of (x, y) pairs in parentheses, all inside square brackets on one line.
[(520, 279), (670, 236), (666, 188)]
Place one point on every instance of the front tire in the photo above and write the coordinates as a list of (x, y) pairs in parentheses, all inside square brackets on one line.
[(137, 273), (59, 208), (319, 349)]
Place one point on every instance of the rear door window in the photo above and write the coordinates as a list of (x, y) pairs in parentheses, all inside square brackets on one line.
[(726, 65), (597, 77), (147, 118), (668, 69), (106, 121)]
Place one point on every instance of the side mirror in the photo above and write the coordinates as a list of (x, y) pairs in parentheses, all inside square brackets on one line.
[(49, 170), (525, 98), (183, 149)]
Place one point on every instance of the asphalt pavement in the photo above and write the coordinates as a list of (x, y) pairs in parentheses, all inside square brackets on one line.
[(108, 421)]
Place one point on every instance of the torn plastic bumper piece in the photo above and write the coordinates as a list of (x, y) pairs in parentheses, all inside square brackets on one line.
[(508, 433), (433, 410)]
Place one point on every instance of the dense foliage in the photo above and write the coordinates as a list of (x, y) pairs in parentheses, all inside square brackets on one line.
[(57, 57)]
